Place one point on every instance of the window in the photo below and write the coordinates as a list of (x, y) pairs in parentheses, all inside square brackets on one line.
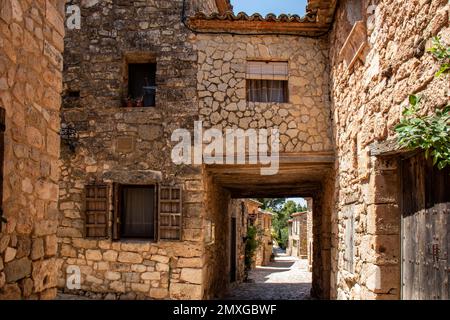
[(137, 212), (73, 93), (141, 84), (267, 81), (71, 99)]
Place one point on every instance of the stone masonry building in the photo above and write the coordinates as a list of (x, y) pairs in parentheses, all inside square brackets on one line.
[(337, 98), (138, 226), (31, 43)]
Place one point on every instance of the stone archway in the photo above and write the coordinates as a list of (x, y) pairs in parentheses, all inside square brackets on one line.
[(311, 178)]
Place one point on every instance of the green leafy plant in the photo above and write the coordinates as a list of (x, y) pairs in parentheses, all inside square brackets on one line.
[(251, 245), (430, 133), (442, 53)]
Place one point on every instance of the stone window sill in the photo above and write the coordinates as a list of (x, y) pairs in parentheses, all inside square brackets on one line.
[(138, 108), (136, 241)]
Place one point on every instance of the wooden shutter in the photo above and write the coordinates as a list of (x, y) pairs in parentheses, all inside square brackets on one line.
[(170, 212), (117, 211), (2, 155), (267, 70), (96, 213)]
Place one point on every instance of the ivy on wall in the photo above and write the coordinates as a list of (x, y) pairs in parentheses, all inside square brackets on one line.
[(429, 133)]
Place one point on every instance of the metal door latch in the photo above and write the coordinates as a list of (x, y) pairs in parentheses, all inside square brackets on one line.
[(436, 252)]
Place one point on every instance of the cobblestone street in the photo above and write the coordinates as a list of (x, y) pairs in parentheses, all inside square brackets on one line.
[(287, 278)]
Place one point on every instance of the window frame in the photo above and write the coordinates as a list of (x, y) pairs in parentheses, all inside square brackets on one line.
[(120, 213), (116, 216), (137, 57), (146, 65), (266, 76)]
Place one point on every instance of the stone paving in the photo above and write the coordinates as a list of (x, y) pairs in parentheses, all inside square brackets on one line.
[(287, 278)]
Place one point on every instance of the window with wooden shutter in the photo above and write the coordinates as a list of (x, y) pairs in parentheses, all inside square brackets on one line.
[(2, 154), (267, 81), (134, 212), (170, 213), (96, 214)]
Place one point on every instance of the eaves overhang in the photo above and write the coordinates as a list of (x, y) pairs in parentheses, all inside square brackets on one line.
[(316, 22)]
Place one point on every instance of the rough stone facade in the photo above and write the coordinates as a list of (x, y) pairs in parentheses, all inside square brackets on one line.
[(112, 35), (304, 122), (31, 43), (298, 241), (367, 102), (336, 105), (264, 224), (309, 232)]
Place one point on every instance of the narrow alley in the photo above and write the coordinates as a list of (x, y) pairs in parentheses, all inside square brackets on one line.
[(287, 278)]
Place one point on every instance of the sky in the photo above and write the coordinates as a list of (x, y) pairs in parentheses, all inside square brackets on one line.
[(298, 201), (270, 6)]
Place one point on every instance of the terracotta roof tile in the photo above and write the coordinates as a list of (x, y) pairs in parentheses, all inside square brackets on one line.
[(242, 16), (318, 18)]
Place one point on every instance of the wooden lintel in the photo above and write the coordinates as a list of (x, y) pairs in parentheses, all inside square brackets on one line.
[(386, 148), (293, 28)]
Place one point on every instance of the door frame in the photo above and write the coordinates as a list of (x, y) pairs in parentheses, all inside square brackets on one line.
[(233, 250)]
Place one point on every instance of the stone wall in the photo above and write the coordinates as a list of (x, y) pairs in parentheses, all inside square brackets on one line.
[(31, 42), (239, 210), (126, 145), (217, 259), (303, 245), (264, 252), (322, 224), (367, 102), (309, 232), (206, 6), (304, 122)]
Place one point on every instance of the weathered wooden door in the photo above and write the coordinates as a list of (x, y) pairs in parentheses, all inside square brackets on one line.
[(233, 256), (425, 230)]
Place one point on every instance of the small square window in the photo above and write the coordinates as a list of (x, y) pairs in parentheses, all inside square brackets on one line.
[(267, 81), (142, 84)]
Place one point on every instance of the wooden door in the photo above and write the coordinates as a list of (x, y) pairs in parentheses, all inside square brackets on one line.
[(233, 256), (425, 230)]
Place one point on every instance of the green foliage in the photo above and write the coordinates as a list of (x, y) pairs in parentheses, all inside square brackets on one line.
[(280, 222), (284, 237), (429, 133), (251, 245), (272, 204), (283, 210), (442, 53)]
